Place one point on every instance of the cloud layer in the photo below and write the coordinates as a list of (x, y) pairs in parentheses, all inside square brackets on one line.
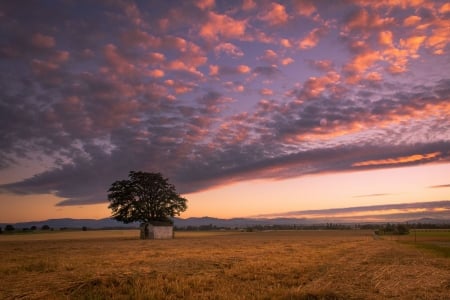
[(209, 92)]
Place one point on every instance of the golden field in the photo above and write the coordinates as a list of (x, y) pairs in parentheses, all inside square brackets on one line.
[(224, 265)]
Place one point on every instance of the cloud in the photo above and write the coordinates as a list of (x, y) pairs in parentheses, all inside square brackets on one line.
[(205, 4), (365, 21), (304, 7), (229, 49), (215, 70), (43, 41), (222, 25), (440, 186), (268, 71), (401, 212), (178, 88), (269, 56), (399, 160), (275, 14), (313, 38), (370, 195), (248, 4)]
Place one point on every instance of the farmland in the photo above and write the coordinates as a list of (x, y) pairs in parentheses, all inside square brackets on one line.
[(339, 264)]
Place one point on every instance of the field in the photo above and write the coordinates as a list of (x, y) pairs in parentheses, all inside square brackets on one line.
[(225, 265)]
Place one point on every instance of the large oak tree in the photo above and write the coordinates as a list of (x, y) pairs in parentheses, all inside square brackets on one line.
[(146, 198)]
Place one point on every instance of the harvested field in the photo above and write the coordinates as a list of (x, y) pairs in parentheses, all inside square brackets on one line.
[(219, 265)]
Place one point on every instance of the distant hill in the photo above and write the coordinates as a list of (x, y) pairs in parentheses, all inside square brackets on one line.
[(109, 223)]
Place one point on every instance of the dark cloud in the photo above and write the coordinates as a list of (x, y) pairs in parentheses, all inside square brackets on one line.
[(370, 195), (440, 186), (428, 210), (268, 71)]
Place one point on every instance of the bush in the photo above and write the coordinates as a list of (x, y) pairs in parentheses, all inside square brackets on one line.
[(45, 227), (9, 228)]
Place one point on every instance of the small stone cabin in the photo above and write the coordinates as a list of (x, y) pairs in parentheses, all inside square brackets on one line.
[(161, 231)]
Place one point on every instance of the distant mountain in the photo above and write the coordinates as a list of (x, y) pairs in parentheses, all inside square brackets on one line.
[(195, 222)]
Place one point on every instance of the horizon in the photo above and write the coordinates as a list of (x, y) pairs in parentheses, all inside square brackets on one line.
[(248, 108), (394, 213)]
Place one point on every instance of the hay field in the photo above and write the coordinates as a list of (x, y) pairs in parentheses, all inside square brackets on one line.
[(219, 265)]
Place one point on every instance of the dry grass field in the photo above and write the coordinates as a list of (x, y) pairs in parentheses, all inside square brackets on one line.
[(222, 265)]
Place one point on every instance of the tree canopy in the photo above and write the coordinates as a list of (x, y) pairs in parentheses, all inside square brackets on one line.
[(144, 197)]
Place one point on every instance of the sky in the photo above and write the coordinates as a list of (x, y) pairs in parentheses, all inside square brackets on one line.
[(250, 108)]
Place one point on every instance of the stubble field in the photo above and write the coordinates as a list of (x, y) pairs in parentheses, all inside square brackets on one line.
[(222, 265)]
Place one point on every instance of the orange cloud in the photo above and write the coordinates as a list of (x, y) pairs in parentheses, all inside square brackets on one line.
[(224, 25), (440, 36), (385, 38), (374, 76), (276, 15), (360, 63), (445, 8), (312, 39), (156, 73), (411, 21), (43, 41), (362, 20), (314, 86), (243, 69), (397, 160)]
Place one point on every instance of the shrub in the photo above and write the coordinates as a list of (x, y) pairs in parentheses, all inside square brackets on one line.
[(9, 228)]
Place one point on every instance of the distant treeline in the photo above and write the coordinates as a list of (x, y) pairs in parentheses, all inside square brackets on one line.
[(386, 228)]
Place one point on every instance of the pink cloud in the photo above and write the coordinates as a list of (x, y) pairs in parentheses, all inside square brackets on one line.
[(265, 92), (42, 67), (222, 25), (155, 58), (304, 7), (43, 41), (275, 15), (287, 61), (285, 43), (248, 5), (215, 70), (116, 61), (205, 4), (322, 65), (269, 56), (229, 49), (137, 37), (60, 56)]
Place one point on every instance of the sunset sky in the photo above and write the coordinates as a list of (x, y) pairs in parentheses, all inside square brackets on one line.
[(251, 108)]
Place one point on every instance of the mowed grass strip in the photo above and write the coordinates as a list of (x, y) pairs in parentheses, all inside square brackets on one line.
[(220, 265)]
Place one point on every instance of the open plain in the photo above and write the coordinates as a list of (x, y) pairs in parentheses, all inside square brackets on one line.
[(342, 264)]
